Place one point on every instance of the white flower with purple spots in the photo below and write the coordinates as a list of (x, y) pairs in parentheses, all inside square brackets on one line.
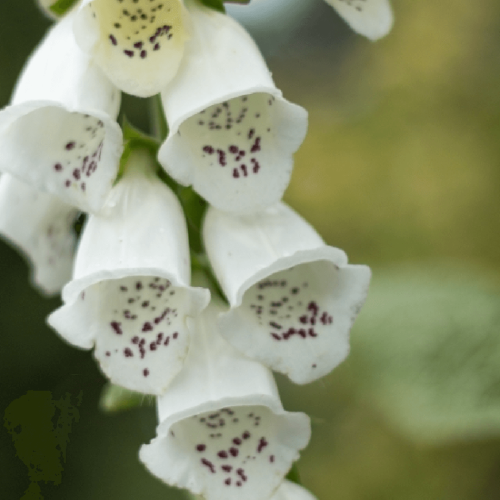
[(293, 298), (130, 292), (232, 135), (371, 18), (41, 225), (59, 134), (223, 432), (139, 44)]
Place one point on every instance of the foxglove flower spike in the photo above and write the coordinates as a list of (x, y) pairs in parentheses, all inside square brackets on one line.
[(41, 225), (139, 44), (371, 18), (293, 298), (130, 292), (223, 432), (232, 135), (59, 134)]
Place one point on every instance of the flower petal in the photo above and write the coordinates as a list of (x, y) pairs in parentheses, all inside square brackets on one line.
[(59, 133), (139, 44), (371, 18), (293, 299), (42, 227), (223, 431), (130, 293), (231, 138), (292, 491)]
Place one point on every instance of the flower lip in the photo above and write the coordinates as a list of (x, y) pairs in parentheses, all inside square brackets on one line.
[(326, 253), (371, 18), (199, 107), (79, 171), (139, 44), (74, 288)]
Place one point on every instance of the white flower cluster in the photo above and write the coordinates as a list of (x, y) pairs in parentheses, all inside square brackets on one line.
[(126, 291)]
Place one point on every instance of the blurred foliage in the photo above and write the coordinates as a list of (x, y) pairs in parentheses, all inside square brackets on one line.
[(400, 166), (429, 338)]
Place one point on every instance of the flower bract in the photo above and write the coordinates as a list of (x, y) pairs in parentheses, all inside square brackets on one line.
[(223, 432), (232, 135), (130, 292), (293, 298), (59, 134), (41, 225), (139, 44)]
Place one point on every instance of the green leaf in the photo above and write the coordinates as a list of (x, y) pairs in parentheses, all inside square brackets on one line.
[(426, 352), (214, 4), (115, 398), (61, 7)]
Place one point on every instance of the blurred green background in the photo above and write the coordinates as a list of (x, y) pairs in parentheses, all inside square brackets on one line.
[(400, 169)]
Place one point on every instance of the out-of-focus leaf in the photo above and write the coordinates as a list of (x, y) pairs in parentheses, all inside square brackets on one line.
[(426, 352), (115, 398)]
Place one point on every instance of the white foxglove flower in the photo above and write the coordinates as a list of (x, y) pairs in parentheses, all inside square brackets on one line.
[(59, 134), (139, 44), (292, 491), (41, 225), (223, 432), (293, 298), (130, 292), (232, 135), (371, 18)]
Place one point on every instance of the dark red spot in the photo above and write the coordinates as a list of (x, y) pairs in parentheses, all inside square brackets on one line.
[(246, 435), (135, 340), (226, 468), (144, 54), (138, 45), (208, 464), (208, 149), (228, 481), (222, 454), (271, 458), (233, 149), (201, 447), (234, 452), (129, 53), (145, 372), (237, 441), (262, 444), (57, 167), (70, 145), (116, 327), (147, 327), (128, 352), (175, 335), (113, 40)]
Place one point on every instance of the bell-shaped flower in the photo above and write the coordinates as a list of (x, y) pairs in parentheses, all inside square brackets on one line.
[(292, 491), (130, 292), (41, 225), (223, 432), (59, 134), (293, 298), (371, 18), (232, 135), (139, 44)]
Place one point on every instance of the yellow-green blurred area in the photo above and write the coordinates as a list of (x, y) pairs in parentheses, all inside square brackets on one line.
[(401, 169)]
